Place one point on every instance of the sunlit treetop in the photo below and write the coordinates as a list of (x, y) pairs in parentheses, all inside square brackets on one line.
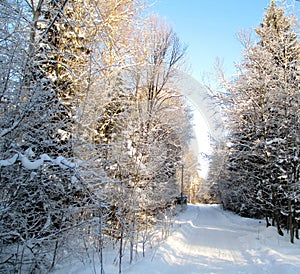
[(277, 34)]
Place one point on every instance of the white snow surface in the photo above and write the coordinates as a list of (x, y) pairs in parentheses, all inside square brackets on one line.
[(206, 239)]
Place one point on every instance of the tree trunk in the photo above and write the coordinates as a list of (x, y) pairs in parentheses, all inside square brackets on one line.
[(121, 249), (277, 220), (297, 229), (267, 220), (101, 242)]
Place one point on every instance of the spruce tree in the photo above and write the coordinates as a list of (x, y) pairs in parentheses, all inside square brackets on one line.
[(39, 198), (279, 39), (263, 154)]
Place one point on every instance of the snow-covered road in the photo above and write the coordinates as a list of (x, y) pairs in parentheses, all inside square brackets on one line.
[(208, 240), (205, 239)]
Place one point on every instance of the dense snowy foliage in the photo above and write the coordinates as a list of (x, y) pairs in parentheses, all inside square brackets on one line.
[(89, 142), (261, 167), (94, 134)]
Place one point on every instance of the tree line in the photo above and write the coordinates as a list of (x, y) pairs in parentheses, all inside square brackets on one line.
[(260, 155), (93, 130)]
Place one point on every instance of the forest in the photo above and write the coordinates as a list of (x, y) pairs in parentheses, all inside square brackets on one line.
[(255, 171), (94, 133)]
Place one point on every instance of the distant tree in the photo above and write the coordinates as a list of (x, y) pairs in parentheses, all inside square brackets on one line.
[(213, 185)]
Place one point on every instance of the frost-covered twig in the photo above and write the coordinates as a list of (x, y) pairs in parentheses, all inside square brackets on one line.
[(61, 161)]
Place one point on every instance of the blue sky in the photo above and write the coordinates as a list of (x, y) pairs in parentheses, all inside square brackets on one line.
[(209, 28)]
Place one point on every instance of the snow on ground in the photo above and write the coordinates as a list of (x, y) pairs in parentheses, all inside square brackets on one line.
[(206, 239)]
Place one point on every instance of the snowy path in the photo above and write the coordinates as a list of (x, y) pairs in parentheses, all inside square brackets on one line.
[(206, 239), (209, 240)]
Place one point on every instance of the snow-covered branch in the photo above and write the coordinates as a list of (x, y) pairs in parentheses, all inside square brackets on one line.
[(8, 130), (276, 140), (60, 161)]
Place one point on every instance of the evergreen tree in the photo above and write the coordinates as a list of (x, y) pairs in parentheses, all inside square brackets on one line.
[(40, 199), (263, 113)]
